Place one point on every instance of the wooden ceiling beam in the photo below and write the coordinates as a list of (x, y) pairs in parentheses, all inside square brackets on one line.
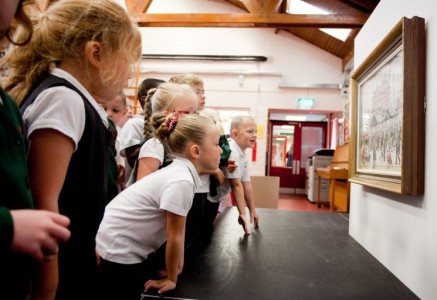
[(137, 6), (283, 7), (250, 20)]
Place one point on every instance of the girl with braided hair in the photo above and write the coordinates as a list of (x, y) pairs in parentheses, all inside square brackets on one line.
[(153, 210), (168, 97)]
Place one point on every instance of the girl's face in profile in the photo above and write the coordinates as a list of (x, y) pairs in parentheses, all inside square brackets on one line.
[(115, 73), (186, 104), (210, 149), (115, 110), (200, 92)]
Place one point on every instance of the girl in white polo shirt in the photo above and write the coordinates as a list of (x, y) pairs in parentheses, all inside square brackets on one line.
[(153, 210)]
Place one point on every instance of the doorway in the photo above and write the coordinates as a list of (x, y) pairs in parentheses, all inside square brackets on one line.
[(290, 145)]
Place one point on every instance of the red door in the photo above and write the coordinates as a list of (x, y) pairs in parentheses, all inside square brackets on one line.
[(290, 145)]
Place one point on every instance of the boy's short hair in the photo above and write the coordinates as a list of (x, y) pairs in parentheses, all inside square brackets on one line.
[(237, 121)]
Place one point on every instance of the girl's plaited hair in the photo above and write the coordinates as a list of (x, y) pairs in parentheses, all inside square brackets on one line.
[(188, 129), (164, 98)]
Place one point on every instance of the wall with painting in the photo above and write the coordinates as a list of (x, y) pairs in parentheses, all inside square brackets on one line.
[(400, 231)]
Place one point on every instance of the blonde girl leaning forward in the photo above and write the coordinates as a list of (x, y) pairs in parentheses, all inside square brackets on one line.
[(80, 50), (154, 209)]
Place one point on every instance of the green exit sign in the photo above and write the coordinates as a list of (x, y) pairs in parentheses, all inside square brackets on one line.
[(305, 102)]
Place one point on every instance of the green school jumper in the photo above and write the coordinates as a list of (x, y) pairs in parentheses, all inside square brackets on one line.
[(14, 194)]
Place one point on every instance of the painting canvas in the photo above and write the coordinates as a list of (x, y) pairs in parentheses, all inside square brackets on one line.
[(380, 118), (387, 122)]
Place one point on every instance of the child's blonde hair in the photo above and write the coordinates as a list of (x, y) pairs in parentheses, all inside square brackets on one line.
[(61, 33), (187, 78), (177, 130), (163, 98), (214, 116)]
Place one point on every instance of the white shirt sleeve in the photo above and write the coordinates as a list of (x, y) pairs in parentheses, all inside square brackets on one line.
[(59, 108), (178, 198), (238, 173), (152, 148), (131, 134)]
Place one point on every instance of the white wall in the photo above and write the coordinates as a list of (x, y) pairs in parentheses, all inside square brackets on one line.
[(401, 231), (290, 60)]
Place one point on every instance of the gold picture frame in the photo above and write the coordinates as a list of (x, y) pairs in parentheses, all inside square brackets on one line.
[(387, 136)]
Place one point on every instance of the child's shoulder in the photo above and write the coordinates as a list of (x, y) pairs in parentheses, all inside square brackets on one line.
[(235, 147)]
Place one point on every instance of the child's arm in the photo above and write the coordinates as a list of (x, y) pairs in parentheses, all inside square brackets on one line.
[(38, 232), (174, 255), (47, 179), (121, 177), (248, 196), (131, 154), (231, 165), (238, 192), (146, 166)]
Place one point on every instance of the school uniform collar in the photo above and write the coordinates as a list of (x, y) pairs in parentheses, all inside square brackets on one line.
[(70, 78), (236, 146), (192, 169)]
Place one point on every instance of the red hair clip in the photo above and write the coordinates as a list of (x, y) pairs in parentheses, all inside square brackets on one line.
[(172, 122)]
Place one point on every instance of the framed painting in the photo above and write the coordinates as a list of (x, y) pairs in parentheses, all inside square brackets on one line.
[(387, 136)]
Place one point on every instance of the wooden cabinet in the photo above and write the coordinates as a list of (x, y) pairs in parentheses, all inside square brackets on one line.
[(338, 176)]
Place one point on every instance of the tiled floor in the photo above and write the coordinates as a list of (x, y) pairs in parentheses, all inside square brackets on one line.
[(299, 202)]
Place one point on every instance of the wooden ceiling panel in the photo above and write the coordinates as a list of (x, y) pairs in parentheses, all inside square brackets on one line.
[(319, 39), (261, 6), (272, 14), (238, 3), (138, 6), (268, 14), (366, 6)]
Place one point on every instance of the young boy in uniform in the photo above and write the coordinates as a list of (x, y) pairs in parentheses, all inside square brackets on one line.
[(243, 136)]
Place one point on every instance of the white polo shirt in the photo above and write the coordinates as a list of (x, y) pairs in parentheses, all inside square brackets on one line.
[(134, 224), (152, 148), (204, 184), (62, 109), (132, 133)]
